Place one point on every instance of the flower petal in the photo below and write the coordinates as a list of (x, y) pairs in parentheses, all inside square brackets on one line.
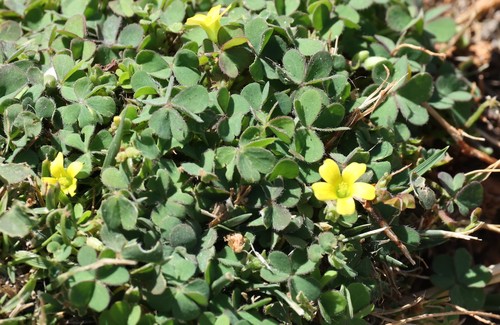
[(74, 168), (363, 191), (57, 166), (352, 172), (196, 20), (214, 12), (324, 191), (330, 172), (346, 206), (49, 180), (71, 190)]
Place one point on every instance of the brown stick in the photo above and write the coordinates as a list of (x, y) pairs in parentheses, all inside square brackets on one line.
[(388, 232), (456, 135), (445, 314), (442, 56)]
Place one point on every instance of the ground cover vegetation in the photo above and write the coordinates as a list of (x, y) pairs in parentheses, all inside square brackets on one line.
[(246, 162)]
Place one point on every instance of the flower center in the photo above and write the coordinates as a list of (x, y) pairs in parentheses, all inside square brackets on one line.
[(64, 181), (343, 190)]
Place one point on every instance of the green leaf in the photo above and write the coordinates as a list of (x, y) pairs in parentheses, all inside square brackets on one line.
[(186, 68), (469, 197), (142, 80), (334, 31), (174, 13), (193, 99), (233, 42), (411, 111), (16, 221), (295, 65), (320, 15), (258, 33), (114, 178), (418, 89), (86, 255), (280, 262), (462, 261), (350, 16), (103, 106), (198, 291), (184, 308), (100, 298), (477, 276), (319, 66), (113, 275), (252, 137), (397, 18), (10, 31), (118, 211), (111, 28), (14, 173), (12, 81), (443, 29), (308, 145), (255, 5), (255, 95), (81, 293), (469, 298), (386, 114), (279, 215), (45, 107), (75, 26), (428, 163), (331, 304), (131, 35), (183, 235), (253, 161), (73, 7), (235, 60), (168, 124), (152, 63), (64, 65), (308, 106), (285, 168), (308, 286), (287, 7), (179, 268), (360, 296), (273, 276), (360, 4), (283, 127), (309, 46)]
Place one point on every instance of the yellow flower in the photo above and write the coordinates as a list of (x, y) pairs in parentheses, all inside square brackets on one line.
[(209, 22), (342, 187), (65, 177)]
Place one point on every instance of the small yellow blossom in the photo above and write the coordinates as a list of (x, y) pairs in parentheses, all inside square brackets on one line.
[(209, 22), (343, 187), (65, 177)]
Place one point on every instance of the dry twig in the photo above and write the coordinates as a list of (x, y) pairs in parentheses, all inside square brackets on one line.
[(445, 314), (456, 135), (388, 232), (442, 56)]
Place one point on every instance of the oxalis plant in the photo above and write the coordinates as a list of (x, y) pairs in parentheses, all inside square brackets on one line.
[(247, 162)]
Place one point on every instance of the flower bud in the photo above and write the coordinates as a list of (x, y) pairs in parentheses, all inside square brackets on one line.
[(50, 78)]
